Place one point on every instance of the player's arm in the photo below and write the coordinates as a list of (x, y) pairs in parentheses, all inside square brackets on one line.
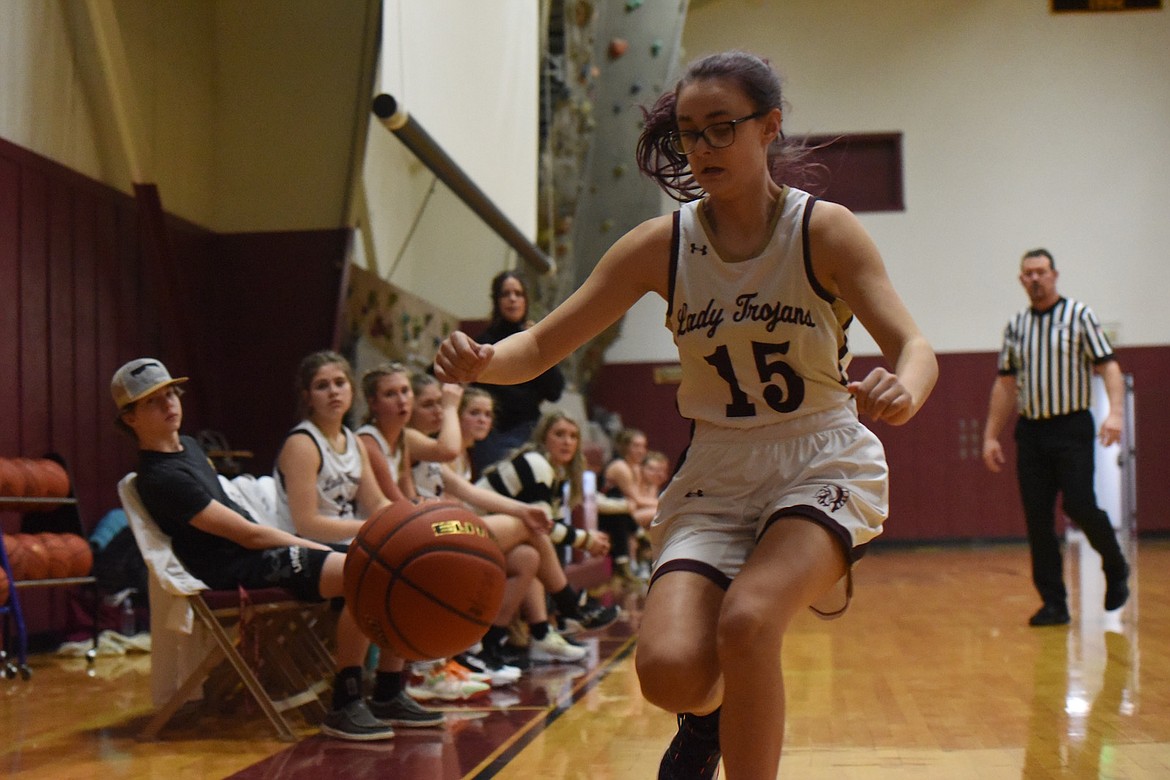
[(299, 463), (406, 475), (218, 519), (380, 468), (448, 443), (635, 265), (534, 517), (370, 497), (848, 264)]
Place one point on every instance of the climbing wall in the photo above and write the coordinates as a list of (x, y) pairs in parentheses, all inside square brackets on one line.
[(606, 59)]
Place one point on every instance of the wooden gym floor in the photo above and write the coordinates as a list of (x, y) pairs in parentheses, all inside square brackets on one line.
[(932, 674)]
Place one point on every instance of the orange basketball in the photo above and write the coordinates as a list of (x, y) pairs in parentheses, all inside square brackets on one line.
[(79, 554), (36, 557), (32, 477), (424, 580), (54, 478), (13, 478), (58, 552), (14, 549)]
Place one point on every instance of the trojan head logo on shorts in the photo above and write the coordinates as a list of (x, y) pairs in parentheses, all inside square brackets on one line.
[(832, 496)]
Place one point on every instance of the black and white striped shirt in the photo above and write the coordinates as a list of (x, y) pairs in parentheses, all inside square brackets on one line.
[(1052, 353)]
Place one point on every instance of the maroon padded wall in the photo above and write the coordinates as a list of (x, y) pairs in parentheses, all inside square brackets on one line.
[(939, 490), (82, 290)]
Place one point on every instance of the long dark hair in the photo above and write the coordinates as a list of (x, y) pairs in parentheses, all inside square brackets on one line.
[(755, 77), (497, 288)]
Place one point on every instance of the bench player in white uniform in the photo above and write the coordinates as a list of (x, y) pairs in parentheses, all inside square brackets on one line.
[(325, 489), (780, 484)]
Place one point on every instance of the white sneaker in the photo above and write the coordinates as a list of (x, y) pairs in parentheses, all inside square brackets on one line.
[(553, 649), (497, 676), (445, 682)]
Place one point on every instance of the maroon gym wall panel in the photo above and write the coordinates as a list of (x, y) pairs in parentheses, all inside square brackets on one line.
[(77, 299), (272, 299), (939, 488)]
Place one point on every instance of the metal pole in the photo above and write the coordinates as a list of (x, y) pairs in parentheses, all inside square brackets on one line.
[(415, 138)]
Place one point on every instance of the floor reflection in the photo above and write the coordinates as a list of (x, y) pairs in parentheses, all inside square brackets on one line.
[(1085, 676)]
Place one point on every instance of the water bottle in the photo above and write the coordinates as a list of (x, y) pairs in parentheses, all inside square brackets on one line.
[(589, 500), (129, 620)]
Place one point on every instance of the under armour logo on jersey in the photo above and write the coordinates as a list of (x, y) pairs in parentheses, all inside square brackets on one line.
[(695, 248), (832, 496)]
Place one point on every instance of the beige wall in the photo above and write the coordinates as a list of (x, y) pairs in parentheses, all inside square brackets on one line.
[(467, 73), (242, 111), (1021, 129)]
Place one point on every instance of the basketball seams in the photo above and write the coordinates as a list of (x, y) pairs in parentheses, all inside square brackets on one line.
[(393, 584)]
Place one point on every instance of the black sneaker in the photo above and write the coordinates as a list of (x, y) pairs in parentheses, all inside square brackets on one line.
[(356, 723), (1050, 615), (694, 753), (513, 655), (593, 616), (405, 712), (1117, 589)]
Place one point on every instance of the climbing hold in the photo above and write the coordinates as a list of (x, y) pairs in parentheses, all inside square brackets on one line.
[(656, 47), (618, 47)]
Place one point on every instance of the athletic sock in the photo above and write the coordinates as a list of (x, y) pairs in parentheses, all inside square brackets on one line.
[(565, 601), (347, 686), (538, 630), (387, 685), (495, 636)]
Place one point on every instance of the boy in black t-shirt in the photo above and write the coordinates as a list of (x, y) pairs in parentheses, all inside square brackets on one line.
[(221, 544)]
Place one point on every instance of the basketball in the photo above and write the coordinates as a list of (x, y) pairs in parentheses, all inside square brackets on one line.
[(424, 580), (14, 549), (32, 477), (13, 478), (54, 478), (36, 558), (58, 554), (80, 555)]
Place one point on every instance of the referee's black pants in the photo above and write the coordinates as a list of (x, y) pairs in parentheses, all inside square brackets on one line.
[(1055, 455)]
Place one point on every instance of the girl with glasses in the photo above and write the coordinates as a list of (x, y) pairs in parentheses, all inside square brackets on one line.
[(782, 486)]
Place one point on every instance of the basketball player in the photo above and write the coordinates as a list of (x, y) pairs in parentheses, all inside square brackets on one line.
[(217, 540), (323, 486), (782, 486)]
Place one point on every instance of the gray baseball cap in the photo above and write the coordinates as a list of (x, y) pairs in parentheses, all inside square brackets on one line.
[(138, 379)]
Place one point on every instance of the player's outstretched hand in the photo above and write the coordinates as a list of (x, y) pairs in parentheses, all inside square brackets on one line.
[(881, 396), (460, 359)]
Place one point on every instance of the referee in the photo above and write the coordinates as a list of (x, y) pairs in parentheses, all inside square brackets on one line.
[(1049, 350)]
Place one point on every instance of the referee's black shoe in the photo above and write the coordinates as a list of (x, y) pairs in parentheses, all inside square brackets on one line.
[(1050, 615), (1117, 589)]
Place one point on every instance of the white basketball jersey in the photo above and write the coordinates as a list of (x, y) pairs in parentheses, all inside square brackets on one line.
[(428, 479), (337, 480), (760, 341), (393, 459)]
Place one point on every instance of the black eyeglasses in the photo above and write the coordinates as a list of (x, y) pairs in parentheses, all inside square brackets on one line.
[(717, 136)]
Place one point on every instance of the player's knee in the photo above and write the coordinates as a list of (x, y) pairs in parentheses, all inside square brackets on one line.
[(744, 630), (523, 560), (674, 678)]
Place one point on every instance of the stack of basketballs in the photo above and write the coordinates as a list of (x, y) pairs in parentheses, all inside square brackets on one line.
[(44, 555), (37, 478)]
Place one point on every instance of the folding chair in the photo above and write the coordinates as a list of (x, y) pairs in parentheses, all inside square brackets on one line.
[(219, 643)]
